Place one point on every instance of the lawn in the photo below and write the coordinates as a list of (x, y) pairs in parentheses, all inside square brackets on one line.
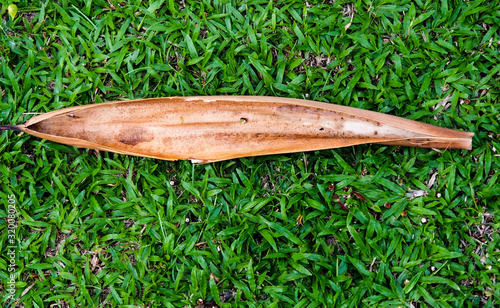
[(369, 225)]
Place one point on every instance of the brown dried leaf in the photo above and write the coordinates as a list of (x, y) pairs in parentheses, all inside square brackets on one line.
[(212, 128)]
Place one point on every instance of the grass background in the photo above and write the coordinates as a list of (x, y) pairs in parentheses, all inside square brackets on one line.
[(102, 230)]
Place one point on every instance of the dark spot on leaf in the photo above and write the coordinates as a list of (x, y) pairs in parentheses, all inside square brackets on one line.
[(134, 136)]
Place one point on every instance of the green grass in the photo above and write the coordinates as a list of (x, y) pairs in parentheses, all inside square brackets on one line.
[(102, 230)]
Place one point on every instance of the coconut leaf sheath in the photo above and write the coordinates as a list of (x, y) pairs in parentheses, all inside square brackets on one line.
[(213, 128)]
